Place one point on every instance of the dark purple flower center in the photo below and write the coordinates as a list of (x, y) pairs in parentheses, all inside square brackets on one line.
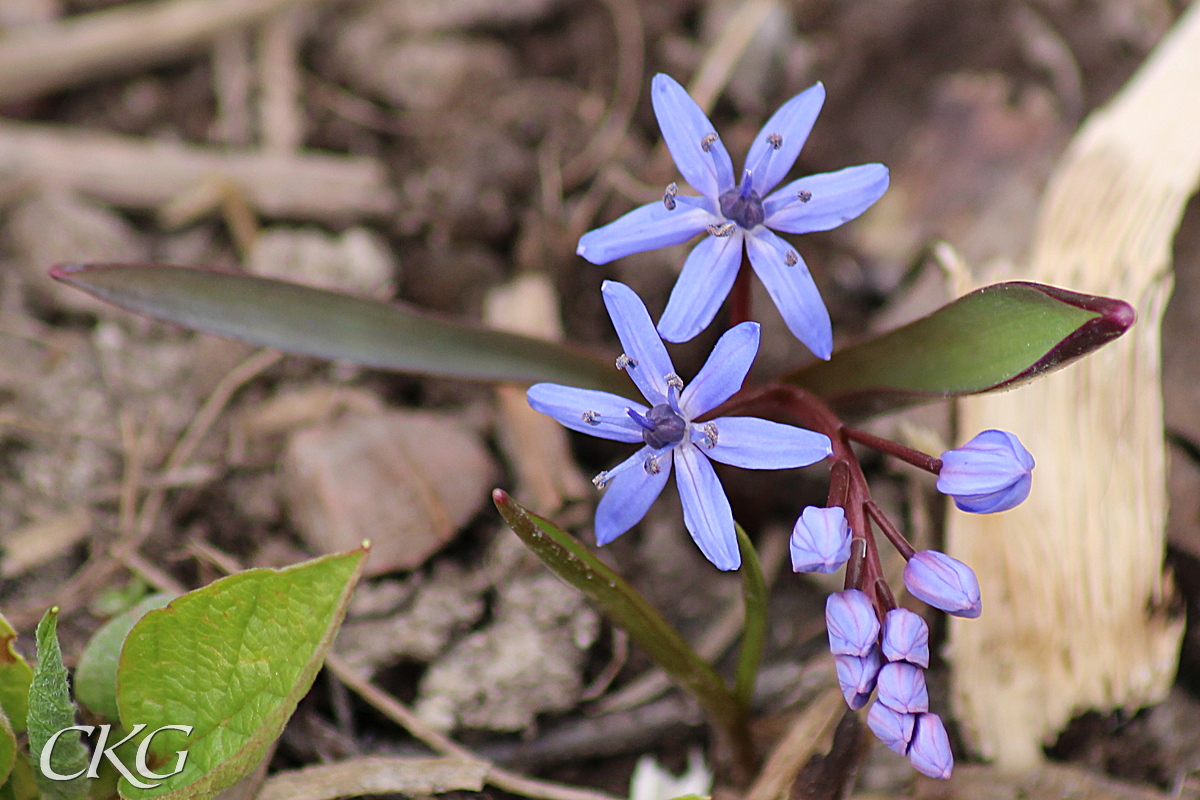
[(661, 426), (742, 204)]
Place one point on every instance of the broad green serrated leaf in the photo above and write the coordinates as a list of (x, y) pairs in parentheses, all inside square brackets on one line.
[(301, 319), (231, 660), (96, 675), (994, 338), (50, 711), (15, 676), (8, 747), (624, 607)]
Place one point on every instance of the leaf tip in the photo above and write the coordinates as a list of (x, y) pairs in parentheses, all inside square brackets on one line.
[(500, 497)]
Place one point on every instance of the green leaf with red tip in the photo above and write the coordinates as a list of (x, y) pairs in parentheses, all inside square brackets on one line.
[(231, 660), (623, 606), (994, 338), (326, 324)]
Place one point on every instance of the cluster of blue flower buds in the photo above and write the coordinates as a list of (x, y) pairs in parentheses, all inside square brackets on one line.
[(990, 473)]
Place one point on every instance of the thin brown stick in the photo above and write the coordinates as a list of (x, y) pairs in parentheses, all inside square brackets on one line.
[(90, 46), (280, 110), (199, 426), (627, 21), (131, 172), (399, 713)]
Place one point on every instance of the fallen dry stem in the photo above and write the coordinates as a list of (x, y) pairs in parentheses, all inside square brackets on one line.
[(132, 172), (399, 713), (89, 46)]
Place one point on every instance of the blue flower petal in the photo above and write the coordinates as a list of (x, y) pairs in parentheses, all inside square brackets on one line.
[(701, 158), (791, 123), (833, 198), (650, 364), (587, 411), (706, 512), (753, 443), (990, 473), (929, 751), (707, 276), (793, 290), (647, 228), (724, 372), (893, 728), (630, 493)]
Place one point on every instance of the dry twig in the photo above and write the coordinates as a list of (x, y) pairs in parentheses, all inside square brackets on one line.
[(50, 57), (145, 174)]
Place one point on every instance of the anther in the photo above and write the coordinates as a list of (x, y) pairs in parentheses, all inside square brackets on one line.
[(601, 480), (722, 230), (591, 417), (710, 435), (669, 196), (626, 362), (804, 195), (674, 380), (708, 140), (790, 258), (652, 466), (775, 140)]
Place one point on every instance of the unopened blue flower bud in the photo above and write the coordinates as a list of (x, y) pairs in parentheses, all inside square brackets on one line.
[(929, 750), (851, 622), (990, 473), (943, 582), (820, 540), (857, 675), (892, 727), (902, 688), (905, 637)]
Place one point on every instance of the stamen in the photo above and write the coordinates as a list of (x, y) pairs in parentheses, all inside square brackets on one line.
[(710, 435), (669, 196), (640, 419), (790, 258), (591, 417), (722, 230), (652, 466), (626, 362), (747, 187), (804, 195), (707, 141), (775, 140), (602, 480), (674, 380)]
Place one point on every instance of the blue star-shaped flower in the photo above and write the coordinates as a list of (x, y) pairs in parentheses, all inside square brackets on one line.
[(669, 433), (734, 213)]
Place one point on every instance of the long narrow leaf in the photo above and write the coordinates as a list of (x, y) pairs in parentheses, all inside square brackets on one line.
[(994, 338), (754, 622), (625, 607), (317, 322)]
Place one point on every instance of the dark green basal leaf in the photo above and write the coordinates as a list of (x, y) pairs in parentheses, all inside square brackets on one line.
[(50, 711), (96, 675), (316, 322), (624, 607), (994, 338)]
